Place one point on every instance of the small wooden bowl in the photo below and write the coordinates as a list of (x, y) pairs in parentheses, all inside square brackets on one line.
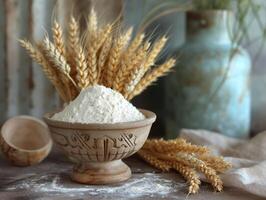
[(25, 140), (98, 148)]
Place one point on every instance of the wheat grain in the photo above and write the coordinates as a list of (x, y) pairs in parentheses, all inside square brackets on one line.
[(151, 77), (58, 38)]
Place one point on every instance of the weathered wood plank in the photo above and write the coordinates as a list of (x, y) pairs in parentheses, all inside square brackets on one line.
[(3, 66), (12, 56), (25, 82), (43, 95)]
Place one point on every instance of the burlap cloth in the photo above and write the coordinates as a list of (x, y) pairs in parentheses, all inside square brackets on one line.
[(248, 158)]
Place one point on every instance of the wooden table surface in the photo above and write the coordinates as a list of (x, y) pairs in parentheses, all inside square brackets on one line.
[(50, 180)]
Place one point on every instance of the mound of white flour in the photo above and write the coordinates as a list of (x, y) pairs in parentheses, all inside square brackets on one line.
[(98, 104)]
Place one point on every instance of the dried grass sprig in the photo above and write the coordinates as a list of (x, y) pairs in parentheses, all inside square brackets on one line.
[(186, 159)]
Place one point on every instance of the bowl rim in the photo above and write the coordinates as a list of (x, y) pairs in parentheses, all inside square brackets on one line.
[(150, 117), (47, 145)]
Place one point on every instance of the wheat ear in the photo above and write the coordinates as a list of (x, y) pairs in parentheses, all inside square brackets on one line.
[(217, 163), (58, 38), (82, 72), (103, 57), (37, 56), (152, 160), (190, 175), (156, 49), (136, 73), (202, 167), (168, 147), (128, 61), (61, 65), (93, 47), (131, 61), (92, 21), (73, 45), (151, 77), (115, 55), (57, 58)]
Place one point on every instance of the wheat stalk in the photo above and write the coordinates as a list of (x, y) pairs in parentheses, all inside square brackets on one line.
[(151, 77), (58, 38)]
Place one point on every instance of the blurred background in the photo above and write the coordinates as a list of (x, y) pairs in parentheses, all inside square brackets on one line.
[(25, 90)]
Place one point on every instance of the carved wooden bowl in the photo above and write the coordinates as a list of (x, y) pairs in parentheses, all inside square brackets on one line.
[(98, 148), (25, 140)]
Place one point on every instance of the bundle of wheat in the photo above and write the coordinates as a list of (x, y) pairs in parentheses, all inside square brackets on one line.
[(186, 159), (101, 55)]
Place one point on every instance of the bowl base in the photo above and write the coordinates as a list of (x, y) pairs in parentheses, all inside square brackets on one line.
[(99, 173)]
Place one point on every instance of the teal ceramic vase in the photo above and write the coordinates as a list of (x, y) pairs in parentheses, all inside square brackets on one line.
[(210, 88)]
